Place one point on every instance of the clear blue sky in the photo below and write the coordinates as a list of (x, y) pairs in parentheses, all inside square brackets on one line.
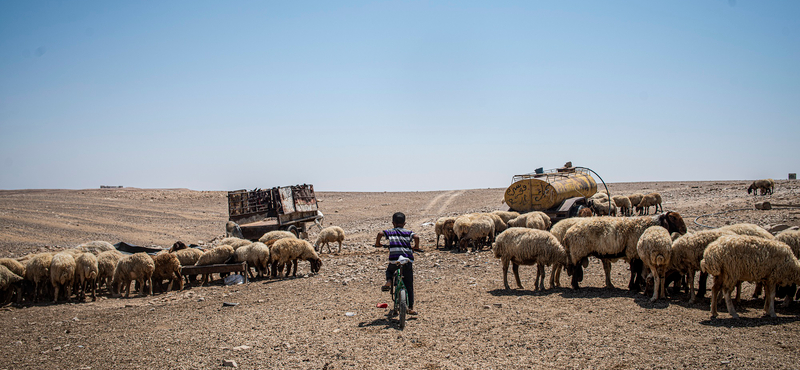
[(386, 96)]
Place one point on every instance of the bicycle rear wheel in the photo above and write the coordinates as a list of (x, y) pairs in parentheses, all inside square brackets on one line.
[(402, 308)]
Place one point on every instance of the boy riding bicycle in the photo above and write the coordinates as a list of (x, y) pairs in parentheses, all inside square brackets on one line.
[(400, 245)]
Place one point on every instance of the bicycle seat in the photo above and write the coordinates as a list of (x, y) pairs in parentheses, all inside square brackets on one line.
[(402, 260)]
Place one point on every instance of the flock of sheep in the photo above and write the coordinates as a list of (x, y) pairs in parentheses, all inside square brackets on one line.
[(92, 265), (657, 247)]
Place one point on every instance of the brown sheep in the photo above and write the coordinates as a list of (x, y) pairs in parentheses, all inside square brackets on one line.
[(167, 267)]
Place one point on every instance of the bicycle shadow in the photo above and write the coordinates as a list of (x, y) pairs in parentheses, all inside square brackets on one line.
[(386, 322)]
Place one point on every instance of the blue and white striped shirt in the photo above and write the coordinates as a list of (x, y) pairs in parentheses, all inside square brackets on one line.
[(399, 243)]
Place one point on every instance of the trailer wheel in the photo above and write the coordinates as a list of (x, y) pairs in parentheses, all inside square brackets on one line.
[(293, 229)]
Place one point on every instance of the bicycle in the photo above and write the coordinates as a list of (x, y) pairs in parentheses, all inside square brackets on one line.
[(399, 293)]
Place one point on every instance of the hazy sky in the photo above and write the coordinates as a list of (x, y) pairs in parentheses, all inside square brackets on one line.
[(390, 95)]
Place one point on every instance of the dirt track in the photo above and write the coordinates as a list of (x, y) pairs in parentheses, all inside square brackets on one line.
[(466, 319)]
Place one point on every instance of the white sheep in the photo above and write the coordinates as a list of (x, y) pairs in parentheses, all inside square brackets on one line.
[(328, 235), (167, 266), (475, 229), (558, 230), (189, 257), (14, 266), (37, 270), (8, 280), (256, 255), (655, 250), (62, 273), (106, 263), (602, 207), (749, 229), (532, 220), (524, 246), (499, 224), (734, 258), (276, 234), (687, 252), (138, 267), (444, 226), (86, 271), (506, 215), (611, 238), (214, 256), (623, 203), (235, 242), (792, 239), (96, 247), (287, 250)]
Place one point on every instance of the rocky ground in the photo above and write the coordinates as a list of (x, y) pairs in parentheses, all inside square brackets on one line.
[(330, 321)]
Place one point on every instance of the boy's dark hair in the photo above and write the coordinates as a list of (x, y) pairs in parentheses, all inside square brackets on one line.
[(398, 218)]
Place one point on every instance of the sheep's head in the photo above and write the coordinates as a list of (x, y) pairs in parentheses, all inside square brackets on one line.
[(750, 189), (316, 264), (673, 222)]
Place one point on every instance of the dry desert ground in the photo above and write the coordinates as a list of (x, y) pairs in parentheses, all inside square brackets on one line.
[(466, 319)]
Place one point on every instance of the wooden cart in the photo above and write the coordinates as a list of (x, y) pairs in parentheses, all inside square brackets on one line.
[(287, 208)]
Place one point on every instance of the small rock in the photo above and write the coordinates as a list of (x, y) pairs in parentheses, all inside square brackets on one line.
[(724, 362), (75, 318), (350, 314), (764, 206), (229, 363), (241, 348), (498, 305), (486, 307), (201, 299), (229, 304), (261, 301), (336, 331)]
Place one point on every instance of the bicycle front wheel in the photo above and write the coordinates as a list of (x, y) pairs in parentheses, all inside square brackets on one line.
[(402, 308)]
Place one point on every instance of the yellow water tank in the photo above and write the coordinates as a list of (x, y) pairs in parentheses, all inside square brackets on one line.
[(539, 192)]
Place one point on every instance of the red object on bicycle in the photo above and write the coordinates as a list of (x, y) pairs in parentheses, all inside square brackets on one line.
[(382, 305)]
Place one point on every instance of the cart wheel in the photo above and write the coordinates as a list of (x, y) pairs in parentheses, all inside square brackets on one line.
[(293, 229)]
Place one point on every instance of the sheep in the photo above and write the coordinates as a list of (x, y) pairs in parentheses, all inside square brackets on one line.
[(792, 239), (600, 196), (602, 208), (611, 238), (646, 202), (276, 234), (767, 186), (167, 266), (499, 224), (585, 212), (106, 263), (475, 229), (734, 258), (328, 235), (635, 198), (233, 229), (749, 229), (256, 255), (655, 250), (86, 271), (234, 242), (444, 226), (558, 230), (687, 252), (623, 203), (524, 246), (8, 280), (215, 256), (189, 257), (96, 247), (289, 250), (506, 215), (14, 266), (137, 266), (532, 220), (37, 270), (62, 273)]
